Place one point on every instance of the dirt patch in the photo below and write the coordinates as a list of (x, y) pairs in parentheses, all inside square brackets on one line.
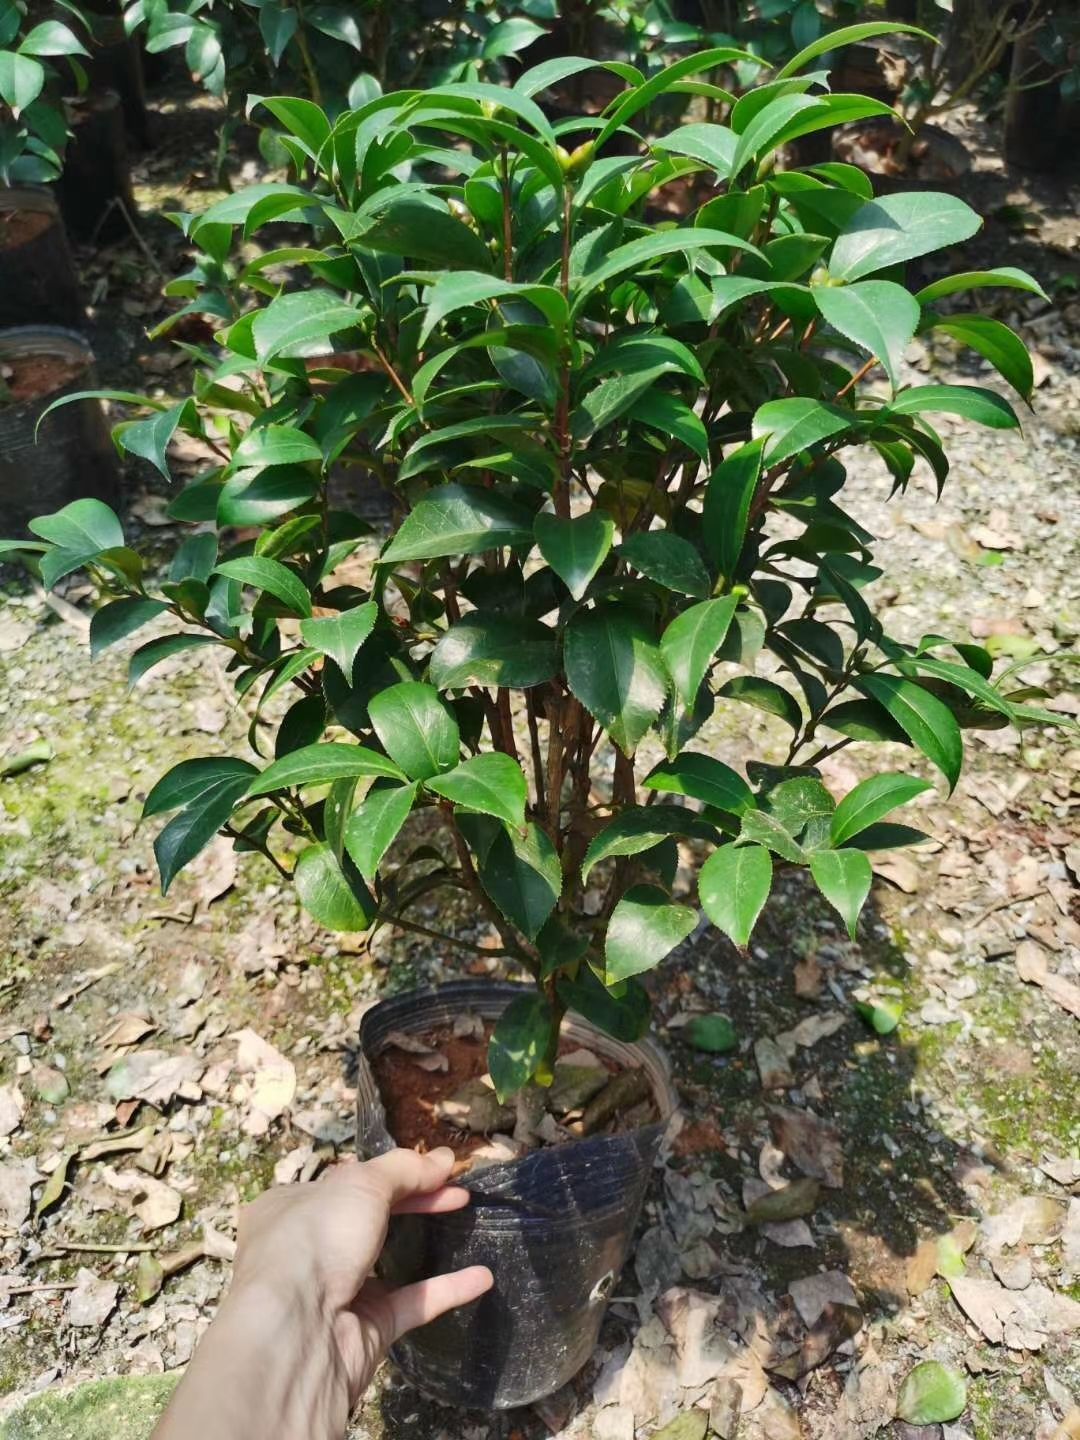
[(19, 227), (32, 377)]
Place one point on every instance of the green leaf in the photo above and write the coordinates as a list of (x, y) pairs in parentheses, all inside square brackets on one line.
[(277, 26), (164, 648), (625, 1016), (187, 783), (896, 228), (119, 619), (269, 575), (844, 877), (274, 445), (703, 778), (320, 765), (994, 342), (672, 416), (462, 288), (1005, 275), (869, 801), (613, 667), (510, 36), (52, 38), (631, 353), (765, 695), (928, 724), (760, 135), (499, 652), (337, 899), (643, 95), (248, 499), (652, 247), (932, 1394), (149, 438), (21, 80), (373, 826), (733, 886), (519, 1042), (86, 527), (882, 1017), (574, 548), (877, 315), (761, 828), (639, 828), (489, 784), (341, 636), (692, 639), (523, 876), (419, 732), (300, 323), (609, 399), (338, 22), (668, 559), (847, 35), (644, 927), (459, 520), (864, 720), (415, 227), (727, 504), (715, 1034), (714, 145), (966, 678), (789, 426)]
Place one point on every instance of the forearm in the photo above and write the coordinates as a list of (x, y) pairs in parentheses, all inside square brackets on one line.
[(268, 1369)]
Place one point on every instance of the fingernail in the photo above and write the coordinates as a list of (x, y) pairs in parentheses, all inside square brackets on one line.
[(443, 1153)]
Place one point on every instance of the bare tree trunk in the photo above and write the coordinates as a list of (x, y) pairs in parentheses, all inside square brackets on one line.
[(1032, 111)]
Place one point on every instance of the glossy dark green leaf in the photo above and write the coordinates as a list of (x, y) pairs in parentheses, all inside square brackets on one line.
[(895, 228), (1005, 275), (459, 520), (644, 927), (320, 765), (844, 877), (995, 342), (373, 826), (418, 731), (624, 1015), (727, 504), (422, 230), (638, 253), (155, 651), (614, 668), (847, 35), (332, 891), (341, 636), (519, 1042), (118, 619), (274, 445), (205, 792), (272, 577), (971, 402), (669, 560), (489, 650), (764, 695), (460, 289), (490, 784), (256, 499), (788, 426), (574, 548), (690, 642), (701, 777), (762, 828), (870, 800), (301, 323), (928, 724), (878, 315), (639, 828), (523, 876), (190, 780), (733, 886)]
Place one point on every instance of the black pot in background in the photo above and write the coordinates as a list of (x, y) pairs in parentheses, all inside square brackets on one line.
[(38, 284), (555, 1227), (95, 188), (947, 151), (71, 457)]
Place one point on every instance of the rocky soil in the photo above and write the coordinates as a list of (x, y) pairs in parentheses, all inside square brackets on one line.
[(882, 1172)]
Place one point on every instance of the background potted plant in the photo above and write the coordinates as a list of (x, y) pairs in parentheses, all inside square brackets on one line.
[(619, 451)]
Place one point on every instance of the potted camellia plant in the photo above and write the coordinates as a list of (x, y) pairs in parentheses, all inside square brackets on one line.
[(618, 453)]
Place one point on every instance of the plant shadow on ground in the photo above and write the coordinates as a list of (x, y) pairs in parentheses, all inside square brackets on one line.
[(902, 1179)]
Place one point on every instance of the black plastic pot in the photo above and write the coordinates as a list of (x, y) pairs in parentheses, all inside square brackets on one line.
[(72, 456), (949, 157), (95, 188), (554, 1227), (38, 284)]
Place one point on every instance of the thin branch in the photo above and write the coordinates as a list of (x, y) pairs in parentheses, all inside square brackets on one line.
[(431, 934)]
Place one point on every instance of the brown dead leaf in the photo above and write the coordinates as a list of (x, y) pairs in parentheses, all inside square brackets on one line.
[(812, 1145), (12, 1109), (155, 1077), (17, 1179), (152, 1201), (118, 1144), (809, 977), (1032, 965), (127, 1029), (92, 1301), (273, 1080), (922, 1267), (899, 870)]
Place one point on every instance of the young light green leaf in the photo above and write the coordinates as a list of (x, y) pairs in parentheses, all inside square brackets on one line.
[(274, 445), (273, 577), (870, 801), (692, 639), (418, 731), (459, 520), (490, 784), (86, 527), (714, 1034), (614, 668), (932, 1394), (519, 1042), (373, 826), (878, 315), (883, 1016), (835, 40), (844, 877), (336, 898), (341, 636), (574, 548), (733, 886), (644, 927)]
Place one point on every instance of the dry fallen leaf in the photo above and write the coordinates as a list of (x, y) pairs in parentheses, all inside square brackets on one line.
[(155, 1203), (155, 1077), (12, 1108), (91, 1302), (812, 1145), (1033, 967), (127, 1029), (17, 1178), (273, 1082)]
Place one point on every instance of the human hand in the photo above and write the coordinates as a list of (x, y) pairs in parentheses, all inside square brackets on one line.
[(305, 1324)]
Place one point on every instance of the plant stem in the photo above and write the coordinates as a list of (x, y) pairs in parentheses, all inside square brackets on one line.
[(431, 934), (860, 374)]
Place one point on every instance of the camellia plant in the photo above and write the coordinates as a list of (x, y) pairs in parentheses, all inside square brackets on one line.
[(33, 125), (618, 452)]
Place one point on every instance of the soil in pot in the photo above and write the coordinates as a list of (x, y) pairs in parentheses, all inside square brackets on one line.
[(37, 274), (437, 1091), (95, 189), (69, 456), (935, 159)]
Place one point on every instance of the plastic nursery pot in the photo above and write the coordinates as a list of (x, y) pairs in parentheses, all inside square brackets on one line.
[(937, 158), (72, 456), (554, 1227), (95, 188), (38, 284)]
